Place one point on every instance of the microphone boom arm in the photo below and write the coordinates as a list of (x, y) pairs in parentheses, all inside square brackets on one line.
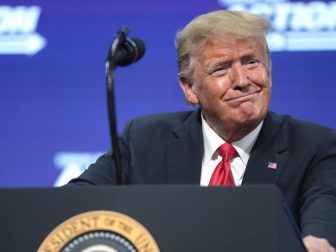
[(123, 52), (110, 66), (113, 121)]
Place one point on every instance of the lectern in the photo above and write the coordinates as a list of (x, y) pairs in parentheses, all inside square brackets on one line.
[(178, 218)]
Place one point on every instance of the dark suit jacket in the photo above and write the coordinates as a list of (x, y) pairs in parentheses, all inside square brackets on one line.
[(168, 149)]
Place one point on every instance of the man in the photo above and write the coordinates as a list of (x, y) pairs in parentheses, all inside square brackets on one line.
[(225, 68)]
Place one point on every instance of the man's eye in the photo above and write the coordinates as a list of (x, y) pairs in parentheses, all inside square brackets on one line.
[(252, 63), (219, 71)]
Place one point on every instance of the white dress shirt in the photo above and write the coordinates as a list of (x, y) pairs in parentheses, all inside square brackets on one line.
[(211, 158)]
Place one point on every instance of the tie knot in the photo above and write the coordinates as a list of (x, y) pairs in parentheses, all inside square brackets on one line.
[(227, 151)]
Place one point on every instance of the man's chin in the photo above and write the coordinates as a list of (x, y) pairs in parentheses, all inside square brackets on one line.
[(249, 116)]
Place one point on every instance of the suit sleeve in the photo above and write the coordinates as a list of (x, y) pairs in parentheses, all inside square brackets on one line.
[(318, 207), (102, 172)]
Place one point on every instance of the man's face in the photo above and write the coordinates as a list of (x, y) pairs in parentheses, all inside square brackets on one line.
[(231, 83)]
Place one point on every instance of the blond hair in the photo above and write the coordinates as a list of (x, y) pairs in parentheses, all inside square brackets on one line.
[(211, 25)]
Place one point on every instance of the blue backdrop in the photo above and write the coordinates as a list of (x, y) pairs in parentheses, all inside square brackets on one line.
[(52, 100)]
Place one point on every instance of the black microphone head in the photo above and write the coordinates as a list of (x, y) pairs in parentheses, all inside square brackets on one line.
[(131, 51)]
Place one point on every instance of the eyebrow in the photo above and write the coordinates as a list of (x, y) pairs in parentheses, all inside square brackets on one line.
[(228, 62), (249, 56), (223, 60)]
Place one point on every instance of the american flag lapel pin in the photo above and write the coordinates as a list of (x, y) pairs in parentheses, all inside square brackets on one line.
[(272, 166)]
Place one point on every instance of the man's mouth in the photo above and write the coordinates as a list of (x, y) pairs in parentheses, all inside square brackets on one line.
[(243, 97)]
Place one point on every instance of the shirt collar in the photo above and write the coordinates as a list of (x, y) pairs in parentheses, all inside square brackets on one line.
[(212, 141)]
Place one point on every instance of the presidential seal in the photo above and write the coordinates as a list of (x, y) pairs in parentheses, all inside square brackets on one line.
[(99, 231)]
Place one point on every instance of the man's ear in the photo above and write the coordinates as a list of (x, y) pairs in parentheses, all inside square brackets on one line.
[(188, 90)]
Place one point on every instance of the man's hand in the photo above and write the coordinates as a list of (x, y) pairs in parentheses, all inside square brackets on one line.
[(315, 244)]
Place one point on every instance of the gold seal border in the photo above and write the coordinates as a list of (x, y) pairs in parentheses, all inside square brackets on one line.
[(103, 220)]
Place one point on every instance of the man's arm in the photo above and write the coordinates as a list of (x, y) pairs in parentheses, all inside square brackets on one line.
[(318, 209), (102, 172)]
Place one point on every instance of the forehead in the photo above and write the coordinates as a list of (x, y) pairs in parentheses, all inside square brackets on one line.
[(229, 45)]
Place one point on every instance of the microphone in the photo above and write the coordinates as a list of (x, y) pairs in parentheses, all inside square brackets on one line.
[(125, 51), (132, 50)]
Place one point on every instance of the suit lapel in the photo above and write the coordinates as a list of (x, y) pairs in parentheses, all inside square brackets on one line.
[(185, 152), (269, 154)]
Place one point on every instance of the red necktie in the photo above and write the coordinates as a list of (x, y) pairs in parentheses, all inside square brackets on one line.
[(222, 174)]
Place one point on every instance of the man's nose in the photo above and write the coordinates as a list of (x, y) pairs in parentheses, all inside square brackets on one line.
[(239, 76)]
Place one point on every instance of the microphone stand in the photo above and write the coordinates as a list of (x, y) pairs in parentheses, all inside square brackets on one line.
[(110, 66)]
